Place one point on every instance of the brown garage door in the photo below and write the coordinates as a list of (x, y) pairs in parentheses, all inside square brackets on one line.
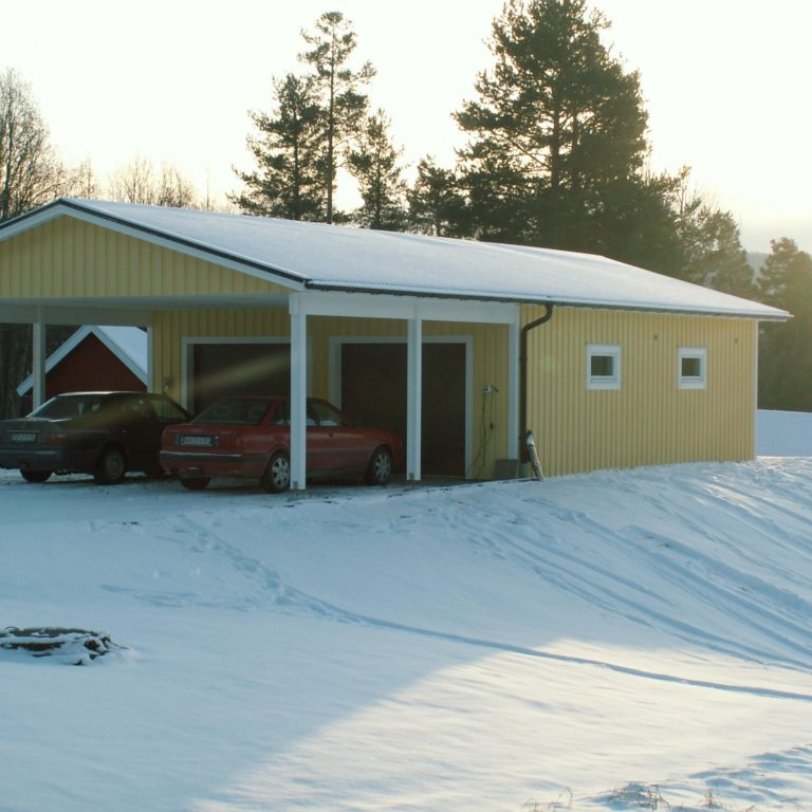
[(220, 370), (373, 387)]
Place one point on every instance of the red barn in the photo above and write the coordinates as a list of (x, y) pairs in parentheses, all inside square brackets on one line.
[(94, 358)]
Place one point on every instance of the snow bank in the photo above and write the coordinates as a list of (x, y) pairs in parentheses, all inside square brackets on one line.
[(590, 642), (783, 434)]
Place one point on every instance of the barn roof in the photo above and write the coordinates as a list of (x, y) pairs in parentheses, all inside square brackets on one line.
[(318, 256)]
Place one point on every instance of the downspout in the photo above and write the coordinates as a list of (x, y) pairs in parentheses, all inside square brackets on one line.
[(548, 314)]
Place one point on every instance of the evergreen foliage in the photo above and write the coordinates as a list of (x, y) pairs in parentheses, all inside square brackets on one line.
[(287, 182), (318, 118), (712, 253), (374, 162), (338, 88), (436, 204), (557, 143), (785, 368)]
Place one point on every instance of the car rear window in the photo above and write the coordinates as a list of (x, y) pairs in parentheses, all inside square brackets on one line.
[(64, 406), (235, 411)]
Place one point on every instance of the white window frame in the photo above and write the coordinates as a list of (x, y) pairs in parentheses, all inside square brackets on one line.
[(693, 381), (603, 381)]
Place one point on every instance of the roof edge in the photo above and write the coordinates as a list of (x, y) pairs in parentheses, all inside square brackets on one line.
[(72, 207), (772, 314)]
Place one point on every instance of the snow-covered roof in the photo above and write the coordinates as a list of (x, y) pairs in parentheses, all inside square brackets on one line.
[(128, 344), (317, 256)]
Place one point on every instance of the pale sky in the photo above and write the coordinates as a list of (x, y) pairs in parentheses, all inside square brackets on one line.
[(726, 82)]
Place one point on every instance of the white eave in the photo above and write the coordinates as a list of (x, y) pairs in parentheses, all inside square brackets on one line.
[(320, 257)]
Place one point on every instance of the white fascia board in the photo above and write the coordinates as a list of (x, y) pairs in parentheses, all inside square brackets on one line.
[(381, 306)]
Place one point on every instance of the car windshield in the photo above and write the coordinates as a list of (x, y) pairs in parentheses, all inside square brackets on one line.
[(236, 411), (65, 406)]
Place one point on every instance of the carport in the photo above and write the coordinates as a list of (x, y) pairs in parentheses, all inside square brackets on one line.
[(600, 382), (66, 264)]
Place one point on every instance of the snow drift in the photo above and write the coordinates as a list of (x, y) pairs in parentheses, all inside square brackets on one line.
[(619, 640)]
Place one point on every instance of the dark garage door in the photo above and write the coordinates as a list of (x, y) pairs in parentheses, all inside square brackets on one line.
[(373, 387), (220, 370)]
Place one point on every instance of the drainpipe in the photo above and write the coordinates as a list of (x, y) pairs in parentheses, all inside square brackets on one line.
[(548, 314)]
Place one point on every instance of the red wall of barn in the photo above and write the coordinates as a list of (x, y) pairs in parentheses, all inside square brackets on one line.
[(91, 366)]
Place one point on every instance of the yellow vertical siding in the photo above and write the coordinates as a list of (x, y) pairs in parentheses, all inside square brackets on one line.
[(171, 327), (68, 258), (649, 420), (489, 347)]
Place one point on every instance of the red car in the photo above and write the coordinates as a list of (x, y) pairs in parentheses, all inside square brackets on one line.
[(249, 437)]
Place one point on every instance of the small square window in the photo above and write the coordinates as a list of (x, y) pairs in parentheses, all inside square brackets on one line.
[(692, 368), (603, 366)]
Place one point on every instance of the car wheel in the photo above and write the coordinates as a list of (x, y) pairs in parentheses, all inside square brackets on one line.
[(276, 478), (110, 467), (195, 483), (35, 476), (379, 469)]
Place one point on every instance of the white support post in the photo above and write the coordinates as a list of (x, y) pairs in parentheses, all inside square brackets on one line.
[(513, 388), (39, 362), (414, 398), (153, 384), (298, 396)]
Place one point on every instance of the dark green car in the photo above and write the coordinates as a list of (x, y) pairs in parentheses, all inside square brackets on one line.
[(105, 434)]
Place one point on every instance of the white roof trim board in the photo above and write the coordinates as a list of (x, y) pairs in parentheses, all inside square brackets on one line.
[(317, 256), (128, 344)]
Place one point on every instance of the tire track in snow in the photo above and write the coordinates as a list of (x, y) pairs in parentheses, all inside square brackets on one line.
[(602, 584), (287, 597)]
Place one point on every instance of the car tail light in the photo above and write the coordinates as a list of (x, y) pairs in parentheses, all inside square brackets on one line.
[(55, 438)]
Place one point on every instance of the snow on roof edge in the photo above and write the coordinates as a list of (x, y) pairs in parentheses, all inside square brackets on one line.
[(147, 224), (570, 301)]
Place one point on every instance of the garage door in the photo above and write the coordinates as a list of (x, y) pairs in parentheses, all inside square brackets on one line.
[(220, 370), (373, 387)]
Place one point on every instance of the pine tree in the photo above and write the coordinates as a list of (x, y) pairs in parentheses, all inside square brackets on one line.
[(785, 367), (785, 279), (436, 205), (374, 163), (338, 91), (715, 257), (287, 182), (557, 131)]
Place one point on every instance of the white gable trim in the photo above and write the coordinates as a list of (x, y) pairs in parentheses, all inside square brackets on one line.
[(61, 209), (73, 342)]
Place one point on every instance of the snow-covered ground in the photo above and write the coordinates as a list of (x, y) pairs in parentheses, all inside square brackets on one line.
[(783, 434), (621, 640)]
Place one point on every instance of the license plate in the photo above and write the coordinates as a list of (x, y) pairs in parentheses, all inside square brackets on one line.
[(23, 437), (196, 440)]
